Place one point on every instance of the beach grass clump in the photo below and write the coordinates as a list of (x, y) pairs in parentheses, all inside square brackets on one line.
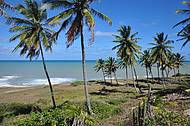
[(76, 83), (104, 110)]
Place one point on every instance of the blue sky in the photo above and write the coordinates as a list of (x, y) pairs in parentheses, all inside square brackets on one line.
[(144, 16)]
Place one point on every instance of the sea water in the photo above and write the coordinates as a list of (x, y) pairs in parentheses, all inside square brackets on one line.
[(26, 73)]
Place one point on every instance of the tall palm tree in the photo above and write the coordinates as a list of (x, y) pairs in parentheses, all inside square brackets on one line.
[(76, 14), (185, 31), (112, 66), (100, 65), (160, 49), (32, 34), (3, 6), (127, 47), (146, 61), (179, 62)]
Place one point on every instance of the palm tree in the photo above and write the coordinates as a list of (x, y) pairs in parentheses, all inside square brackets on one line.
[(185, 31), (32, 34), (170, 64), (146, 61), (112, 66), (76, 14), (123, 63), (179, 62), (160, 49), (3, 6), (127, 47), (100, 65)]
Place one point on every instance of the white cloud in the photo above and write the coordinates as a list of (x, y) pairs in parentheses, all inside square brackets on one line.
[(104, 34)]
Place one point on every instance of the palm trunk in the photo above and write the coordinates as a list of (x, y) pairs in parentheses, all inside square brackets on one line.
[(85, 73), (163, 77), (104, 76), (111, 77), (133, 79), (174, 73), (116, 78), (146, 73), (167, 73), (137, 80), (126, 75), (178, 74), (148, 101), (48, 78), (151, 73), (149, 94), (158, 70)]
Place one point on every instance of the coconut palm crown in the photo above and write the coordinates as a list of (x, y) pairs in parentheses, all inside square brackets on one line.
[(127, 47), (184, 33), (76, 14), (161, 47)]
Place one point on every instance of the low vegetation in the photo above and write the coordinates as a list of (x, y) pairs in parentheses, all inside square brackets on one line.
[(111, 104)]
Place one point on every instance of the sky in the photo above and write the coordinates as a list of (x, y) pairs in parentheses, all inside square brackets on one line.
[(147, 17)]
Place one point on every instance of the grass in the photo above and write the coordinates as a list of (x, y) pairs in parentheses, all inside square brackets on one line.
[(111, 104)]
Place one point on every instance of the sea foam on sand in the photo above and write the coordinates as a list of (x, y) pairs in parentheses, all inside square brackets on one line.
[(36, 82)]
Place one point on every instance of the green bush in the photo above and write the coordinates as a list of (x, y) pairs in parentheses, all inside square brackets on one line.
[(65, 115), (104, 110), (167, 118), (14, 109), (117, 101)]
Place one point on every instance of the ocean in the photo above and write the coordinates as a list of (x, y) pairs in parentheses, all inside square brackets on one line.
[(26, 73)]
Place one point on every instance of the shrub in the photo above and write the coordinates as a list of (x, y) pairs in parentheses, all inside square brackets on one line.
[(14, 109), (104, 110), (167, 118), (65, 115)]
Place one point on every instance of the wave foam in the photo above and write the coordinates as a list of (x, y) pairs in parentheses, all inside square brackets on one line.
[(4, 81), (45, 82)]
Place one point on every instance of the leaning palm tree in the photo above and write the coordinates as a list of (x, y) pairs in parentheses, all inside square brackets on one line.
[(127, 48), (3, 6), (100, 65), (76, 14), (32, 34), (111, 67), (185, 31), (160, 49)]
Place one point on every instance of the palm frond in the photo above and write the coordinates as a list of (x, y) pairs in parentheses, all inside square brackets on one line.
[(102, 16)]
